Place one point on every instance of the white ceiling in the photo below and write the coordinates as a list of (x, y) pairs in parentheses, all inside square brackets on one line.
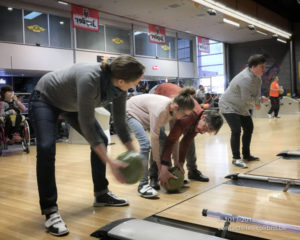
[(180, 15)]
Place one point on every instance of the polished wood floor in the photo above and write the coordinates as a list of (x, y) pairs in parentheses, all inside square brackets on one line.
[(281, 168), (19, 210)]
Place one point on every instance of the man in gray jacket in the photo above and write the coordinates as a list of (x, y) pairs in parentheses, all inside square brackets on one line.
[(243, 92)]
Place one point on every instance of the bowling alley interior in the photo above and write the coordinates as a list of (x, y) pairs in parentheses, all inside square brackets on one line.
[(100, 102)]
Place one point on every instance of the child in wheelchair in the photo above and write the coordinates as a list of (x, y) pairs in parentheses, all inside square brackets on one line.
[(10, 113)]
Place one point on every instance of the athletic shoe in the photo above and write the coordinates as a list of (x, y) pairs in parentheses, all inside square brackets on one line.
[(55, 225), (197, 176), (147, 191), (110, 199), (239, 163)]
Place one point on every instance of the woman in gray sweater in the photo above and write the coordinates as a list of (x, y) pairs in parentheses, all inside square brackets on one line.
[(74, 93)]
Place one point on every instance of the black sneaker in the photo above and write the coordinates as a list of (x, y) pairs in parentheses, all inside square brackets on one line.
[(55, 225), (197, 175), (251, 158), (154, 183), (110, 199)]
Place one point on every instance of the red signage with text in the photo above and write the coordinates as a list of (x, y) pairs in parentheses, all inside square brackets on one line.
[(85, 18), (203, 45), (157, 34)]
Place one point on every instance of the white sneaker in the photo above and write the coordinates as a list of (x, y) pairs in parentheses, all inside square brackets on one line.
[(55, 225), (239, 163), (269, 115), (147, 191)]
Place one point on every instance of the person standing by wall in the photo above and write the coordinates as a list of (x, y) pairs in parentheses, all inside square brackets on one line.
[(243, 92), (274, 98)]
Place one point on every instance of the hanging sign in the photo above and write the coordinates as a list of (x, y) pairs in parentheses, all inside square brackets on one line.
[(203, 44), (85, 18), (157, 34)]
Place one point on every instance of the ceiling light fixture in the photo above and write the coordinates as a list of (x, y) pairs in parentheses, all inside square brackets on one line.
[(63, 3), (243, 17), (281, 40), (9, 8), (263, 33), (231, 22)]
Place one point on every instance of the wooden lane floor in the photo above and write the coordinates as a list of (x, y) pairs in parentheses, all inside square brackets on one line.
[(280, 168), (243, 201)]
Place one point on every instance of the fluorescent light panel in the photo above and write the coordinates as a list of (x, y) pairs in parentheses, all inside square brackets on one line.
[(231, 22), (32, 15), (281, 40), (263, 33), (243, 17), (63, 3)]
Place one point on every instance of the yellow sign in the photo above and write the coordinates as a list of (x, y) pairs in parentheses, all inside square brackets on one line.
[(36, 28), (117, 40), (165, 47)]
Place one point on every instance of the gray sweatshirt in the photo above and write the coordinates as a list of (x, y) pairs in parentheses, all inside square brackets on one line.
[(243, 92), (81, 88)]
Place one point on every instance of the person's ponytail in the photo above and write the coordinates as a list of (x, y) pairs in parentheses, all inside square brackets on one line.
[(185, 99)]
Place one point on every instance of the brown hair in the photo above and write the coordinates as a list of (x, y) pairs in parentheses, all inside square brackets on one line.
[(185, 99), (124, 67)]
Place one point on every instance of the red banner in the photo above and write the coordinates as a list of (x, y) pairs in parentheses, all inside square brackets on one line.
[(157, 34), (203, 44), (85, 18)]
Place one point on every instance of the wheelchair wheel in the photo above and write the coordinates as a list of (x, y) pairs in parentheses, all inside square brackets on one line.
[(26, 137)]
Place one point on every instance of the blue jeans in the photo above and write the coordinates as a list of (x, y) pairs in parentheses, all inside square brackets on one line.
[(144, 143), (44, 118)]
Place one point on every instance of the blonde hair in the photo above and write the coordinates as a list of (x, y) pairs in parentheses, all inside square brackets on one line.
[(185, 99)]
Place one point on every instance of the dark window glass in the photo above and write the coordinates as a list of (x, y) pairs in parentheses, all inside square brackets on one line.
[(36, 28), (167, 50), (117, 40), (185, 50), (60, 32), (143, 46), (90, 40), (11, 27)]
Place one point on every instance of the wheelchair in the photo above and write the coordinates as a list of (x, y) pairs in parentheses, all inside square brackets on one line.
[(24, 134)]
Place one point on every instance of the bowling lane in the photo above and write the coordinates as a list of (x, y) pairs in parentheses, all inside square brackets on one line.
[(244, 201), (280, 168)]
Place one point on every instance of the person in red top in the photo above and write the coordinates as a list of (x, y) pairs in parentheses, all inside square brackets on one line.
[(274, 97), (196, 122)]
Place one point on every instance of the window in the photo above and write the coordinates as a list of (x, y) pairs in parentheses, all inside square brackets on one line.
[(167, 50), (117, 40), (211, 67), (60, 32), (36, 28), (91, 40), (185, 50), (11, 27), (143, 46)]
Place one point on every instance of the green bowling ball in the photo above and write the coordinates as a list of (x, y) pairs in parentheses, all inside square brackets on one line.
[(135, 169), (175, 184)]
